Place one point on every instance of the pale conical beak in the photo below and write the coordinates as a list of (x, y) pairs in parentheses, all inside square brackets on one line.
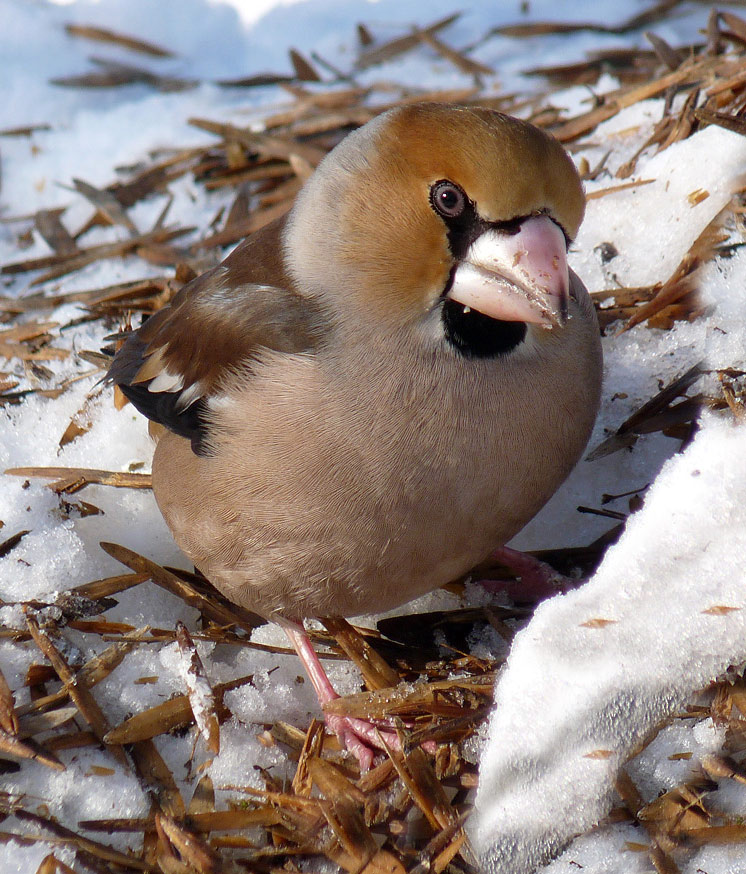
[(521, 277)]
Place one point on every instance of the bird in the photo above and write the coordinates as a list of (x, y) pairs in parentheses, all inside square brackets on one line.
[(371, 394)]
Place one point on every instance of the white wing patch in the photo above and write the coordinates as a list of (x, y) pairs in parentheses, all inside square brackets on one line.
[(189, 396), (167, 381)]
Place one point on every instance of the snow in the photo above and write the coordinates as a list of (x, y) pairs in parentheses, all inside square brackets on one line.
[(593, 671), (569, 689), (664, 204)]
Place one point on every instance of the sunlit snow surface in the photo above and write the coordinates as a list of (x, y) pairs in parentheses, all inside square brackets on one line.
[(569, 689)]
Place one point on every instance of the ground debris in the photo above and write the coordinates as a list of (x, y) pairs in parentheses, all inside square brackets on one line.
[(687, 816), (347, 824), (408, 812), (101, 34), (662, 412)]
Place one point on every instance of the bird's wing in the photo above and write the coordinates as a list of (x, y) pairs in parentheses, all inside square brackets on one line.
[(217, 324)]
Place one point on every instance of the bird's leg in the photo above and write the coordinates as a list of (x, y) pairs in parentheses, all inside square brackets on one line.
[(538, 580), (356, 735)]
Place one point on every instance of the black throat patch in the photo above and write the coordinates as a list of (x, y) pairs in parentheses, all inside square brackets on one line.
[(475, 335)]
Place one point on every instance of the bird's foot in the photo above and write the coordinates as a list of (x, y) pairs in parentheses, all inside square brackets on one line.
[(537, 579), (361, 738)]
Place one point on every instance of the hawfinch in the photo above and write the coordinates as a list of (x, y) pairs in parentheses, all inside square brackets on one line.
[(371, 394)]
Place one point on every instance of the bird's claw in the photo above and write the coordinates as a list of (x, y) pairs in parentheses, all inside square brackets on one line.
[(362, 738)]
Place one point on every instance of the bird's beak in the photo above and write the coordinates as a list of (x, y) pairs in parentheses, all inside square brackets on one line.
[(521, 277)]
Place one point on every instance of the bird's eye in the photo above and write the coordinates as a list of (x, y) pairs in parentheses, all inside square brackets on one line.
[(448, 199)]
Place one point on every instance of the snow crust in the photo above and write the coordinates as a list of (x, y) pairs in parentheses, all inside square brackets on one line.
[(596, 669)]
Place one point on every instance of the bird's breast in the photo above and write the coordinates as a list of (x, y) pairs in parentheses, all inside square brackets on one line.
[(351, 489)]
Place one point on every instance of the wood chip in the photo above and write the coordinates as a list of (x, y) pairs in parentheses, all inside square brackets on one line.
[(443, 697), (313, 744), (685, 277), (107, 203), (458, 59), (737, 124), (376, 672), (10, 745), (259, 79), (597, 622), (51, 865), (27, 331), (116, 73), (93, 848), (615, 102), (38, 722), (61, 265), (93, 671), (78, 691), (8, 717), (628, 792), (203, 798), (8, 545), (428, 794), (602, 192), (719, 767), (230, 820), (23, 353), (108, 79), (364, 36), (541, 28), (662, 860), (84, 476), (256, 220), (199, 690), (25, 131), (668, 55), (140, 288), (270, 146), (697, 196), (303, 69), (442, 849), (716, 834), (369, 57), (640, 420), (109, 586), (48, 223), (102, 34), (216, 608), (156, 776), (172, 714), (735, 23), (343, 810)]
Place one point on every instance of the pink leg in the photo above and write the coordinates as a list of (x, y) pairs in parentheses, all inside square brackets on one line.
[(356, 735), (538, 580)]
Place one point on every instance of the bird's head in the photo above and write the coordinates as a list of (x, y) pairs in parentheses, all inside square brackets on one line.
[(435, 209)]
